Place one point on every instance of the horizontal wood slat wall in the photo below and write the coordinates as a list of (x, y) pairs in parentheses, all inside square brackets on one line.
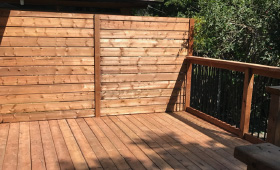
[(142, 68), (46, 65)]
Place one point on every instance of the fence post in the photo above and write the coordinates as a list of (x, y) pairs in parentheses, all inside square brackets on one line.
[(97, 74), (246, 102), (191, 37), (273, 127), (189, 64)]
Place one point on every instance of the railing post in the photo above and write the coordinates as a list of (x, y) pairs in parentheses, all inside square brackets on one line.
[(97, 71), (273, 127), (188, 84), (246, 102)]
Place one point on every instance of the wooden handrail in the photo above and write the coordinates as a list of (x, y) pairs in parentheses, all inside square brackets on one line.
[(263, 70), (249, 70)]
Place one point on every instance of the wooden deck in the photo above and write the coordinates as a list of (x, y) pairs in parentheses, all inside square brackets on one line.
[(143, 141)]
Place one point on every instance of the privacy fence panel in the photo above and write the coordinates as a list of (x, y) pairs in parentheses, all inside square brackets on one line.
[(142, 68), (47, 65)]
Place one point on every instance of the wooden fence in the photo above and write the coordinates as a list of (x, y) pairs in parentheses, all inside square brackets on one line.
[(67, 65)]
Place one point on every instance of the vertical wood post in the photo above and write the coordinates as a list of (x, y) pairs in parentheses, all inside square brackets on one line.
[(188, 84), (97, 72), (273, 127), (191, 37), (188, 77), (246, 102)]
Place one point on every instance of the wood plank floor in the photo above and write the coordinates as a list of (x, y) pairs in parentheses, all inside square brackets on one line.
[(142, 141)]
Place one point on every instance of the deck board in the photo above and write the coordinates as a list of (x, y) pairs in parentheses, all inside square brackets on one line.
[(63, 155), (139, 141), (50, 155), (4, 131), (11, 154), (24, 160), (37, 153)]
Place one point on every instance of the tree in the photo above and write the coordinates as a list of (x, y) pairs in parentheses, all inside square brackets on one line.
[(241, 30)]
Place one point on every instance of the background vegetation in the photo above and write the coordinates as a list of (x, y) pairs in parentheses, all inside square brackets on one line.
[(241, 30)]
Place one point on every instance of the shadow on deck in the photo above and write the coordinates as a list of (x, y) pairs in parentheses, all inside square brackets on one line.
[(142, 141)]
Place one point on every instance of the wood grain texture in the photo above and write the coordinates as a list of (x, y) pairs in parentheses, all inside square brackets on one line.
[(11, 156), (63, 155), (134, 102), (140, 77), (144, 141), (153, 34), (31, 89), (39, 98), (46, 22), (97, 56), (127, 153), (130, 25), (141, 69), (37, 153), (155, 60), (133, 110), (191, 37), (96, 146), (188, 84), (46, 61), (50, 106), (46, 70), (246, 102), (17, 13), (45, 42), (115, 155), (47, 115), (49, 147), (142, 43), (46, 51), (85, 147), (139, 85), (24, 147), (4, 131), (45, 32), (133, 52), (143, 18), (160, 163), (52, 79), (268, 71), (74, 150), (129, 94)]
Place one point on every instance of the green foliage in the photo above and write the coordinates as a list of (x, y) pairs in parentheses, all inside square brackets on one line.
[(171, 8), (242, 30)]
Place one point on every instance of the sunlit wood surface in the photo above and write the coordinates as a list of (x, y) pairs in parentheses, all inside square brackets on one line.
[(142, 141)]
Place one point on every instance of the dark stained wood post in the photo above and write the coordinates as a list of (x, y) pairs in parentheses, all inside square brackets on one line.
[(273, 127), (191, 37), (189, 64), (246, 101), (97, 76)]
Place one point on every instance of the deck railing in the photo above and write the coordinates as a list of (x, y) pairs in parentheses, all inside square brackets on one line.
[(230, 94)]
